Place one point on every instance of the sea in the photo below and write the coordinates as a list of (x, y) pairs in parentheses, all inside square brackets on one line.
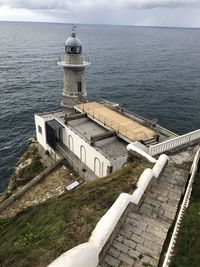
[(152, 71)]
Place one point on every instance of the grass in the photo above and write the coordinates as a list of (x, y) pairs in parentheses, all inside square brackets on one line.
[(29, 171), (37, 235), (187, 249)]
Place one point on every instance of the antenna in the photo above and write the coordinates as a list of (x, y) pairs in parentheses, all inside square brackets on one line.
[(73, 33), (74, 27)]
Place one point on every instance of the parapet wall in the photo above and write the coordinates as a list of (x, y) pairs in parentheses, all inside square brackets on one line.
[(169, 145), (88, 254)]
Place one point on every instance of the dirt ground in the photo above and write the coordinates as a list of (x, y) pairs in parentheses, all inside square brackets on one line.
[(51, 186)]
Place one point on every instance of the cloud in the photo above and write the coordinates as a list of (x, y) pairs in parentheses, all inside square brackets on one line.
[(149, 4), (20, 14), (183, 13), (35, 4), (91, 4)]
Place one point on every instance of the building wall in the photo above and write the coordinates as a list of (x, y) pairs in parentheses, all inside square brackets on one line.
[(41, 136), (71, 79), (90, 156), (118, 163)]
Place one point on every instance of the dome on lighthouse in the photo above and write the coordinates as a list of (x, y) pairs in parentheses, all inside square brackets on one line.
[(73, 44)]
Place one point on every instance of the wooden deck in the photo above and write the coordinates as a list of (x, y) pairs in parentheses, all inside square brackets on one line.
[(123, 125)]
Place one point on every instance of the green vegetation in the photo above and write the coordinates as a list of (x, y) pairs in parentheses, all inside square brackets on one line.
[(37, 235), (187, 249), (34, 168), (12, 187), (27, 168)]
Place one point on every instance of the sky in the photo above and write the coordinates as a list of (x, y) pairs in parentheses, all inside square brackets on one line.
[(166, 13)]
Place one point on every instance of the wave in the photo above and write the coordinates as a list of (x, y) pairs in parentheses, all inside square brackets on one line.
[(5, 148)]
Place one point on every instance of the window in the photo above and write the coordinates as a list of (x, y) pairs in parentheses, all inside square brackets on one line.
[(78, 50), (73, 50), (79, 87), (39, 129), (68, 50)]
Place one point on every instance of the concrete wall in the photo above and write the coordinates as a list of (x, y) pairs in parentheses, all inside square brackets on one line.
[(93, 157), (119, 162), (141, 150), (41, 137), (71, 78)]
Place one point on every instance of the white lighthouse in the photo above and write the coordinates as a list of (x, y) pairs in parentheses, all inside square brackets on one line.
[(74, 64)]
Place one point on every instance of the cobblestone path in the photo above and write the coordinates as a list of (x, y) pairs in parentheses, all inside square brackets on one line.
[(139, 241)]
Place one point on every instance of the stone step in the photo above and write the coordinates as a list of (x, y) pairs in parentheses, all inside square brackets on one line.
[(139, 242)]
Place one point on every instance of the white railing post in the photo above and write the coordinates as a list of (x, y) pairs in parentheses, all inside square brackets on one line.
[(174, 143), (184, 205)]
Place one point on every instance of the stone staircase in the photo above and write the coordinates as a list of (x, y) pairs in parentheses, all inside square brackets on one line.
[(140, 240), (150, 142)]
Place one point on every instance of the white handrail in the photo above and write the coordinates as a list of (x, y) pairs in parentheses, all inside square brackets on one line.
[(141, 150), (184, 205), (173, 143)]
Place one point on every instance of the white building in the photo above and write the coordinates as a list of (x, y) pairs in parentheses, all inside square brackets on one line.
[(76, 141), (91, 136)]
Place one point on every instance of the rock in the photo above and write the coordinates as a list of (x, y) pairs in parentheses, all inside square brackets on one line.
[(31, 141), (22, 166)]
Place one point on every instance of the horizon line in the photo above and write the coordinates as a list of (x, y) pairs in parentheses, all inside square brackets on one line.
[(99, 24)]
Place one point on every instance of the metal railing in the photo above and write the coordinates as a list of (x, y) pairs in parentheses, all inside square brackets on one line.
[(74, 60), (114, 125)]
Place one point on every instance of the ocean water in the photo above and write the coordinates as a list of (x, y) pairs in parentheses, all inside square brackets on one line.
[(154, 72)]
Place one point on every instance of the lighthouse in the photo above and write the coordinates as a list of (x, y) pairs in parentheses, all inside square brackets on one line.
[(74, 64)]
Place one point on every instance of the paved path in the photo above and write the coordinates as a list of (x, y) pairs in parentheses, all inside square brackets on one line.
[(140, 240), (76, 163)]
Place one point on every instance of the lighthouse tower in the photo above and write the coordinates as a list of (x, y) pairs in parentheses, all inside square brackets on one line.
[(74, 64)]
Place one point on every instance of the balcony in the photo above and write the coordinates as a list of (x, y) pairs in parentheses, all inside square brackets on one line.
[(74, 61)]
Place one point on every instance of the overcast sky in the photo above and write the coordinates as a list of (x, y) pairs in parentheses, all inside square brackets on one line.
[(176, 13)]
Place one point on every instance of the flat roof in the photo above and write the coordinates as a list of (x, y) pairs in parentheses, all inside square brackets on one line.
[(51, 115), (112, 147), (87, 128), (122, 124)]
